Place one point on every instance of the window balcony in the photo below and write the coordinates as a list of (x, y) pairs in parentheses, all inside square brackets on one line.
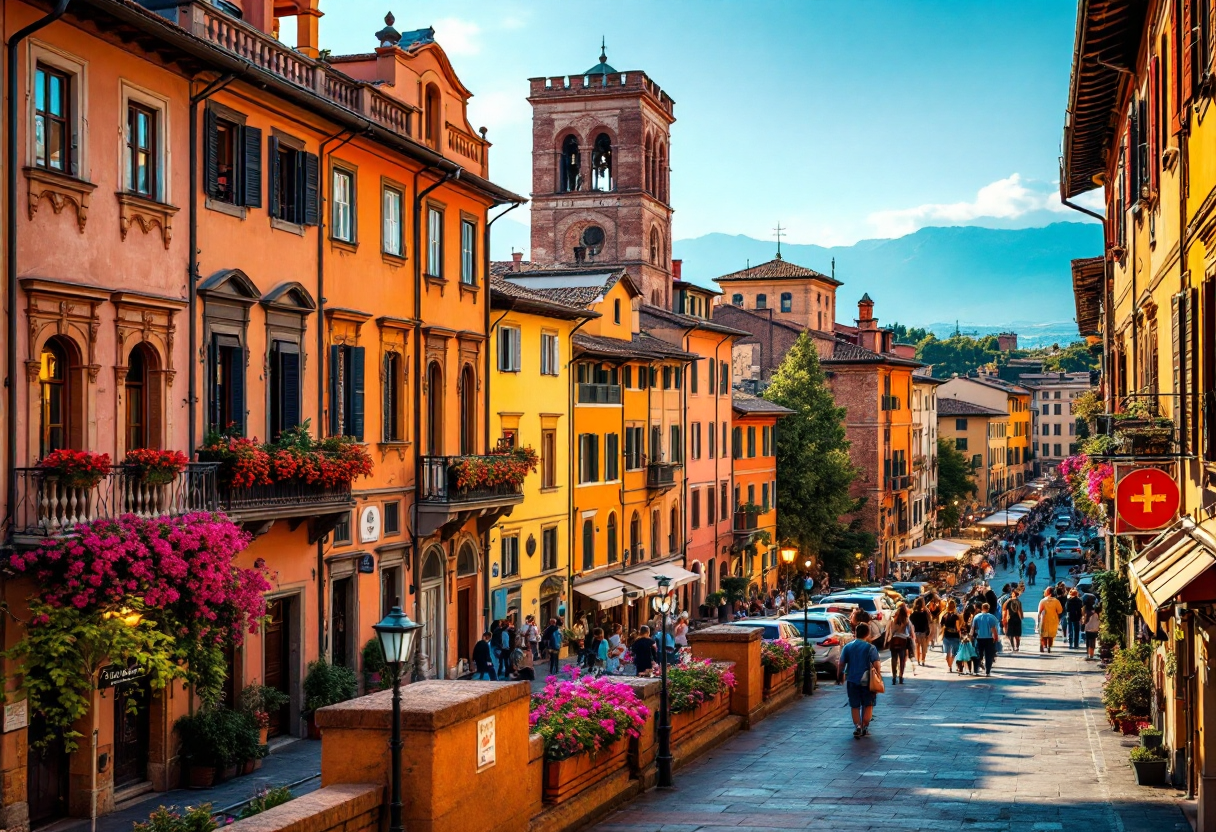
[(661, 476), (746, 522), (900, 483), (599, 394), (260, 505), (443, 504), (47, 507)]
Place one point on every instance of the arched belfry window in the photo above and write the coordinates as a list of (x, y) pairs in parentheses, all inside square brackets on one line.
[(661, 186), (601, 163), (570, 179), (654, 246)]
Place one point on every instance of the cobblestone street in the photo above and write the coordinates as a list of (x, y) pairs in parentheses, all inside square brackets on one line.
[(1027, 749)]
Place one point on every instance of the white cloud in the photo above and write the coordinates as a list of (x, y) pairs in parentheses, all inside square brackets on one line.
[(1005, 199), (458, 37)]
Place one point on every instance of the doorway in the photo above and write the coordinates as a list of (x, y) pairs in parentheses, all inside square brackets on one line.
[(131, 733), (276, 672), (341, 623), (47, 773), (431, 650), (464, 606)]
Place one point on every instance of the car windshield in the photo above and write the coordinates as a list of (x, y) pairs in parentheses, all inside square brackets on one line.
[(866, 602), (1069, 542)]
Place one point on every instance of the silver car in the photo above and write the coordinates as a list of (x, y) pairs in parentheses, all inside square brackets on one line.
[(772, 629), (878, 605), (829, 631)]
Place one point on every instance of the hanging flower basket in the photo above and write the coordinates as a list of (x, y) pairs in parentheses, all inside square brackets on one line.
[(76, 469), (153, 467)]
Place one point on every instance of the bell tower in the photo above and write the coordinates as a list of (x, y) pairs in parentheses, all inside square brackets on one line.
[(600, 184)]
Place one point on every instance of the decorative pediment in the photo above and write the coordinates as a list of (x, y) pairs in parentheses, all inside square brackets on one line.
[(145, 319), (290, 297), (147, 214), (231, 284), (60, 191)]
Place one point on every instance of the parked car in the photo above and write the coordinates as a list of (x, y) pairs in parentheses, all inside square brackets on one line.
[(828, 632), (843, 608), (873, 589), (1086, 589), (1063, 521), (879, 606), (1069, 550), (774, 628), (909, 590)]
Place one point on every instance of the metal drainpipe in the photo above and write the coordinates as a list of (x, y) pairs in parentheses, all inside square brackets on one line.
[(11, 237), (713, 494)]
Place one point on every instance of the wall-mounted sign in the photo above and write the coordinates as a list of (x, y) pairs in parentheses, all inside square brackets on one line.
[(367, 564), (369, 524), (485, 743), (16, 715), (111, 676), (1146, 499)]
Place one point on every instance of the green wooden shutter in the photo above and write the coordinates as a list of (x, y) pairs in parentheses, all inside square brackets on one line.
[(289, 389), (272, 161), (251, 170), (312, 185), (355, 385), (211, 153), (335, 391)]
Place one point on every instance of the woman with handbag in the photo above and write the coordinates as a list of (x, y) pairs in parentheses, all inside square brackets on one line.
[(1012, 616), (952, 625), (899, 640), (861, 672)]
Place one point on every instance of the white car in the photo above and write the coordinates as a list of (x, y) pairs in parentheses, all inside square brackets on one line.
[(774, 629), (829, 631), (878, 605), (1068, 550)]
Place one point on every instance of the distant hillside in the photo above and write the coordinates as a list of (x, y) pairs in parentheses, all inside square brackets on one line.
[(982, 277)]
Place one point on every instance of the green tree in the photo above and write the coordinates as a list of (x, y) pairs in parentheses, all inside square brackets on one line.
[(814, 471), (954, 482), (1074, 358), (909, 335)]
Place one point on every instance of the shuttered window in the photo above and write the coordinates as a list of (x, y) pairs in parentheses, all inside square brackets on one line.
[(434, 242), (226, 394), (342, 224), (550, 356), (295, 178), (346, 391), (392, 399), (510, 358), (284, 387)]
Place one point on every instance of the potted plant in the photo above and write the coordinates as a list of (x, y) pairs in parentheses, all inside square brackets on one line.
[(326, 684), (778, 658), (171, 819), (496, 469), (206, 746), (1149, 764), (260, 701), (75, 469), (1150, 737), (152, 467), (374, 667)]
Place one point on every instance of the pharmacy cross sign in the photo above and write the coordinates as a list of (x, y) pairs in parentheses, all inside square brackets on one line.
[(1147, 498)]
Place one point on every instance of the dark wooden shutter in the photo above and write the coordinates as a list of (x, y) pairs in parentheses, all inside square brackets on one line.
[(335, 391), (289, 388), (355, 385), (236, 388), (272, 182), (211, 153), (312, 185), (213, 400), (1186, 64), (251, 170)]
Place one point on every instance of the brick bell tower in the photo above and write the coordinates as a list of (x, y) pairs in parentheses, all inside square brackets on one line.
[(600, 183)]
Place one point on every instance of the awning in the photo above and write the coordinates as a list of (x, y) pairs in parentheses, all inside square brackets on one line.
[(1001, 519), (1169, 564), (1028, 505), (646, 579), (607, 592), (936, 551)]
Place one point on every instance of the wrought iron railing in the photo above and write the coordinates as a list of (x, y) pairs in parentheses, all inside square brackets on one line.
[(661, 474), (282, 495), (438, 482), (599, 394), (46, 505)]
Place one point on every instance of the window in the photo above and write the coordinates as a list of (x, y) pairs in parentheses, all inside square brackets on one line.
[(468, 410), (1056, 412), (724, 451), (601, 163), (509, 349), (434, 242), (141, 146), (284, 385), (612, 457), (55, 383), (432, 115), (673, 536), (616, 310), (737, 300), (960, 424), (710, 505), (643, 377), (692, 379), (569, 179), (392, 230), (588, 457), (677, 374), (612, 538), (713, 376), (136, 393), (342, 530), (548, 459), (390, 589), (468, 252), (656, 533), (712, 436), (656, 443), (232, 158), (588, 544), (1056, 429), (227, 382), (627, 376), (694, 509), (666, 378), (766, 441), (764, 496), (633, 448), (694, 440), (724, 500), (724, 382), (342, 223), (346, 391), (751, 442), (392, 518), (392, 398), (960, 443), (550, 358), (787, 302), (1072, 428), (52, 117), (677, 444), (1056, 448), (294, 182), (510, 556), (762, 301), (736, 438), (548, 548)]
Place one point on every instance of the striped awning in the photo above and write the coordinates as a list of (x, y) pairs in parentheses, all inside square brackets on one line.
[(1169, 564)]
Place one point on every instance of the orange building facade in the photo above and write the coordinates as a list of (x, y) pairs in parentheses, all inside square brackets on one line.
[(754, 517)]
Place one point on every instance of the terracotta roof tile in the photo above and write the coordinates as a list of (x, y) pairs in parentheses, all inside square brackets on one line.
[(747, 403), (957, 407), (778, 269), (845, 352)]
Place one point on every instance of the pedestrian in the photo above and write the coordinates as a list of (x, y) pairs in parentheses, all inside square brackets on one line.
[(680, 632), (483, 659), (858, 659), (598, 651), (920, 630), (521, 660), (1092, 623), (506, 643), (860, 616), (951, 622), (1031, 571), (532, 636), (496, 628), (1073, 607), (1048, 620), (616, 649), (899, 639), (643, 649), (551, 643), (986, 630), (1012, 615), (933, 607)]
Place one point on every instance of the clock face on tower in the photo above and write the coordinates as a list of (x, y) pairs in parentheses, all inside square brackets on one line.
[(593, 239)]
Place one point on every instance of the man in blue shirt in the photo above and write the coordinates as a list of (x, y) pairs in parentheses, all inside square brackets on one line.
[(856, 659), (985, 629)]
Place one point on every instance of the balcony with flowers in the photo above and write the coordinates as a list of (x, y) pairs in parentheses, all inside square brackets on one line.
[(455, 489), (69, 488), (1138, 429)]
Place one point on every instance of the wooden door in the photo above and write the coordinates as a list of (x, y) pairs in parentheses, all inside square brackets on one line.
[(277, 660), (340, 622), (464, 603), (47, 773), (131, 733)]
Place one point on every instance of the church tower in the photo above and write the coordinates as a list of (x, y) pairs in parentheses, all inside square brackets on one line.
[(600, 184)]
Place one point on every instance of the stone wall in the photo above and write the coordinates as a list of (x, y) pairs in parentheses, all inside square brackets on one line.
[(350, 807)]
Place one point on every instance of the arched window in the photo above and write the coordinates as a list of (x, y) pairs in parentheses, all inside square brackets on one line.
[(661, 187), (787, 302), (635, 537), (612, 552), (468, 411), (737, 300), (601, 163), (647, 155), (432, 568), (723, 573), (656, 533), (762, 301), (654, 246), (433, 113), (570, 179), (588, 544), (55, 382), (140, 395), (466, 561), (434, 427)]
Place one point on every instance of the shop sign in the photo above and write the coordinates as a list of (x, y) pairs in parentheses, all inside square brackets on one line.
[(1146, 499), (485, 743), (367, 564), (16, 715), (111, 676)]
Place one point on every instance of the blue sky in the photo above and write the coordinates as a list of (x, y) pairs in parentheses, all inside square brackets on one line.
[(842, 119)]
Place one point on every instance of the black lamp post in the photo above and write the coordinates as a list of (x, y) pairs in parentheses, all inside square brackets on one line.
[(398, 636), (662, 604)]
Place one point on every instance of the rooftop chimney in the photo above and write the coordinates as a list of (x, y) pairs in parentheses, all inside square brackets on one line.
[(517, 257), (676, 269), (868, 335)]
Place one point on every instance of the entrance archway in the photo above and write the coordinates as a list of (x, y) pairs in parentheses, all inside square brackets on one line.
[(431, 651)]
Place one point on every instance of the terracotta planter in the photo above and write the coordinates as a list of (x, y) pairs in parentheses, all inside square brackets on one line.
[(200, 777), (566, 778), (263, 734), (248, 766), (688, 722), (775, 681), (231, 770)]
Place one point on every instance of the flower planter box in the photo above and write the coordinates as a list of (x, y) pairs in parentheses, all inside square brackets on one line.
[(1131, 727), (566, 778), (200, 777), (774, 682), (688, 722), (1151, 740), (1150, 773)]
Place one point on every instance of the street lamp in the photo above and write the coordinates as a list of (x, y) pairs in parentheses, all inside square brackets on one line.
[(787, 557), (662, 604), (397, 635)]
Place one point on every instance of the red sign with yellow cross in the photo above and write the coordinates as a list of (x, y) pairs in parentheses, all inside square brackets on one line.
[(1146, 499)]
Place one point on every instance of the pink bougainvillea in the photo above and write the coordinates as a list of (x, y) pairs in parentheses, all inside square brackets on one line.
[(1072, 467), (1100, 482), (585, 714)]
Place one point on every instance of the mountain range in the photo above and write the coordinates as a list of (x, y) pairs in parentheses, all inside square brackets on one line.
[(982, 279)]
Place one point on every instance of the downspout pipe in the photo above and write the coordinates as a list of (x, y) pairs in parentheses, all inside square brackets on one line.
[(10, 174), (715, 377)]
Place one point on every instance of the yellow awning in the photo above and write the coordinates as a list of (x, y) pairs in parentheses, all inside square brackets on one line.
[(1169, 564), (606, 592)]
